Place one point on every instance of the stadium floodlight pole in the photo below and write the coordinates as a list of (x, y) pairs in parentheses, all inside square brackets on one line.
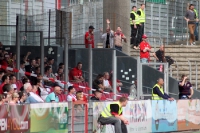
[(114, 76), (90, 66), (17, 45)]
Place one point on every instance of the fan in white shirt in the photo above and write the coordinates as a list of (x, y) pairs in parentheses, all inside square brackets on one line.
[(71, 92), (106, 83)]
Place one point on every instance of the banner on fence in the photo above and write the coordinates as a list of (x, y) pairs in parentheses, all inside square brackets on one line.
[(188, 114), (14, 119), (164, 116), (53, 116), (139, 115)]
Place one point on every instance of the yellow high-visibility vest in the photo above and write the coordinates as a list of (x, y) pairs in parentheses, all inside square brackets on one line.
[(107, 111), (137, 21), (155, 96), (142, 16)]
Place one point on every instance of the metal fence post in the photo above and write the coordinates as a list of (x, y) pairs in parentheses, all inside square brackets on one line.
[(49, 30), (66, 61), (17, 45), (166, 78), (152, 19), (196, 82), (90, 66), (114, 77), (42, 52), (139, 78), (167, 23)]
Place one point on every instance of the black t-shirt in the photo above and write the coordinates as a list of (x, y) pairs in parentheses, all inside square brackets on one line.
[(132, 16), (139, 13), (94, 98), (185, 89), (107, 40), (114, 109), (96, 84), (160, 55)]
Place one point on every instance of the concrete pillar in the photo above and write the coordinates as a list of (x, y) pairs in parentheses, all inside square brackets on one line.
[(119, 14)]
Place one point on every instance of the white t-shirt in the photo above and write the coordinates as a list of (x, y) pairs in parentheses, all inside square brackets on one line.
[(106, 83), (70, 97)]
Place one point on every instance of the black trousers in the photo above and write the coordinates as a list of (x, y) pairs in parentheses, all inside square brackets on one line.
[(133, 36), (139, 35)]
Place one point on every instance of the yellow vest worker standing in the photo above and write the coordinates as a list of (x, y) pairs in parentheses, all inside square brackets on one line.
[(112, 114), (134, 22), (158, 92), (141, 14)]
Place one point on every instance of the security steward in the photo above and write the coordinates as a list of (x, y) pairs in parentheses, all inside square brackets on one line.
[(134, 22), (112, 114), (140, 27), (158, 92)]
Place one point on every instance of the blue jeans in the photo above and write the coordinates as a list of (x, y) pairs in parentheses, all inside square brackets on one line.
[(183, 97), (196, 32), (144, 60)]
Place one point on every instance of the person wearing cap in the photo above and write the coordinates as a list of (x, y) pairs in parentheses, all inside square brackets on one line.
[(145, 48), (89, 37), (97, 95), (191, 19)]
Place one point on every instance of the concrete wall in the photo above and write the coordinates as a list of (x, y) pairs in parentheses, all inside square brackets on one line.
[(119, 14)]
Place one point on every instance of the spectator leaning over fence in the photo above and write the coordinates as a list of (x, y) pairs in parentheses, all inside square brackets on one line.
[(158, 92), (53, 97), (190, 18), (119, 37), (145, 50), (112, 114), (97, 95), (185, 88), (108, 37), (140, 27), (75, 74), (134, 22), (5, 80), (71, 94), (89, 37)]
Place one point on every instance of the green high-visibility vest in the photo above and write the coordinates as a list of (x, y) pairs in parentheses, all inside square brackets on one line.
[(107, 111), (155, 96), (142, 16), (196, 13), (137, 21)]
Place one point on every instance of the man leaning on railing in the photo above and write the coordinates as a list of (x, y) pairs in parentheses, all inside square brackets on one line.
[(191, 19)]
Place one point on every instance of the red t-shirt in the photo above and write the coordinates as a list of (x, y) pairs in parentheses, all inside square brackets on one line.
[(89, 41), (75, 72), (4, 63), (1, 88), (143, 45)]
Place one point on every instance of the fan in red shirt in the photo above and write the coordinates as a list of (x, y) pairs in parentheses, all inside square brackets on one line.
[(119, 83), (145, 49), (75, 75), (89, 37)]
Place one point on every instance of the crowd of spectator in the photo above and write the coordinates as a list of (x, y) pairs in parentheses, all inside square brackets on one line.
[(30, 89)]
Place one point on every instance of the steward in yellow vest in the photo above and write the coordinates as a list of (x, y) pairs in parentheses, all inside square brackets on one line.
[(112, 114), (158, 92)]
